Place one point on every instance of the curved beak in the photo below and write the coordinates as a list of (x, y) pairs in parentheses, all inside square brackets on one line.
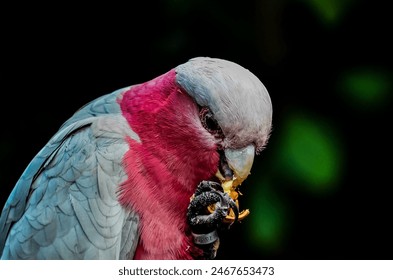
[(235, 166), (239, 162)]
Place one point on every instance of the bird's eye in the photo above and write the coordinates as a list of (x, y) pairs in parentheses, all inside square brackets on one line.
[(209, 122)]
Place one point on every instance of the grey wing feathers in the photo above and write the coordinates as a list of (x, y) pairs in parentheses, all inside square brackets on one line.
[(65, 204)]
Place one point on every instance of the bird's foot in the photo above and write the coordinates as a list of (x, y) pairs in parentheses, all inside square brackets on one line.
[(203, 222), (207, 194)]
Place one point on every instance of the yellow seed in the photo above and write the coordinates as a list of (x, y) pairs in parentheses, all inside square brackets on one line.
[(227, 186)]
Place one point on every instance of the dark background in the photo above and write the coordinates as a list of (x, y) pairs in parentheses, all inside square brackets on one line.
[(321, 188)]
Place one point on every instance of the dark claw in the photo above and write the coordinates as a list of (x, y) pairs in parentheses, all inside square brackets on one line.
[(205, 186), (201, 221), (196, 213), (207, 193)]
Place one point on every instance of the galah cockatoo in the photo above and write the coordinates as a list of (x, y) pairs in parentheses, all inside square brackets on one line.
[(130, 174)]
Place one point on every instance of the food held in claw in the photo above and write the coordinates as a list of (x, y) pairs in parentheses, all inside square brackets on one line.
[(229, 187)]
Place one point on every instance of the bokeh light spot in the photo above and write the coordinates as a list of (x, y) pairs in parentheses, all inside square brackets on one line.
[(329, 11), (309, 153), (267, 219), (366, 88)]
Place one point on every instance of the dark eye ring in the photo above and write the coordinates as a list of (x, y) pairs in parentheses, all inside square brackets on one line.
[(208, 121)]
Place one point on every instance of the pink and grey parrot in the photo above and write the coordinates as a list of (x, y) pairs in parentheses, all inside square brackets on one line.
[(116, 180)]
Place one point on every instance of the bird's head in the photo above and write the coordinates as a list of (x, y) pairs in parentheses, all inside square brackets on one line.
[(234, 107)]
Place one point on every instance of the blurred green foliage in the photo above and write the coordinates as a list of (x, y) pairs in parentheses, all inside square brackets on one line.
[(330, 12), (366, 88), (267, 224), (310, 153)]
